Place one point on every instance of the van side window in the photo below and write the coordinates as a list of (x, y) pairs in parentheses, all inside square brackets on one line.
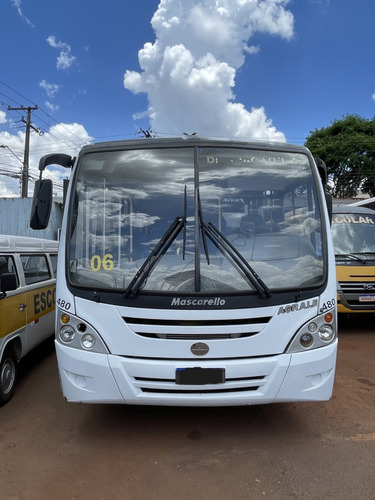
[(7, 266), (35, 268)]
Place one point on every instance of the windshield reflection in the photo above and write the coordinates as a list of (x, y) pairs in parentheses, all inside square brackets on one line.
[(354, 233), (261, 205)]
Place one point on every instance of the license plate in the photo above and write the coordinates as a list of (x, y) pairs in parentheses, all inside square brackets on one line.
[(367, 298), (200, 376)]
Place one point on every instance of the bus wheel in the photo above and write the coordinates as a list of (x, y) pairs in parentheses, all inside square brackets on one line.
[(8, 375)]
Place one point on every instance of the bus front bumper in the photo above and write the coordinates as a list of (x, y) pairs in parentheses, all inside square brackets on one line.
[(98, 378)]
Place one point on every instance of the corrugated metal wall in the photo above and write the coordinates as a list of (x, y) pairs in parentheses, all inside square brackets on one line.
[(15, 219)]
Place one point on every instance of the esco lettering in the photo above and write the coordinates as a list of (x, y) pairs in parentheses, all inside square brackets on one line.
[(44, 300)]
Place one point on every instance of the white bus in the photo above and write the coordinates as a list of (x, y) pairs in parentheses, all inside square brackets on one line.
[(27, 302), (193, 272)]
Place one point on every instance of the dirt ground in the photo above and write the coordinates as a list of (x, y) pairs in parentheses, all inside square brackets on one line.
[(53, 449)]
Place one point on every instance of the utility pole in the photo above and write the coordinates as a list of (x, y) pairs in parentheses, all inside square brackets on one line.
[(25, 169)]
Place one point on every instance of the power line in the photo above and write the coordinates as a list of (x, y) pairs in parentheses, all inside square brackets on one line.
[(64, 139), (16, 92), (25, 170)]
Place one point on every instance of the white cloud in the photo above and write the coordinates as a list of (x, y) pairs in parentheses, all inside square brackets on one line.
[(50, 88), (51, 40), (67, 137), (373, 96), (65, 58), (189, 71), (51, 107), (3, 117), (252, 49), (18, 5), (8, 186)]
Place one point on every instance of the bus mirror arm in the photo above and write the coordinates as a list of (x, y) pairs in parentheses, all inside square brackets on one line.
[(55, 159)]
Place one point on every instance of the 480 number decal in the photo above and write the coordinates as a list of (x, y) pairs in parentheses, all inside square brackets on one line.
[(63, 304), (328, 305)]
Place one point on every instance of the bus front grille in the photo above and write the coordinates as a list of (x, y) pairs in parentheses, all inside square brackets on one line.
[(357, 292), (196, 329), (158, 386)]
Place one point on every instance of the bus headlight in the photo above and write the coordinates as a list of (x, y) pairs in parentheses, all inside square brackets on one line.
[(318, 332), (312, 327), (306, 340), (78, 334), (67, 333), (88, 341), (326, 333)]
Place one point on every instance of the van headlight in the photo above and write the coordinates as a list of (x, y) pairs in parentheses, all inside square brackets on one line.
[(73, 332), (316, 333)]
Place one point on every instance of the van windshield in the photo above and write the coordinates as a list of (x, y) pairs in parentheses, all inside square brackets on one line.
[(194, 219)]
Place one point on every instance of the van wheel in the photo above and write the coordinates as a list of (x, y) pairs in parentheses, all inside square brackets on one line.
[(8, 375)]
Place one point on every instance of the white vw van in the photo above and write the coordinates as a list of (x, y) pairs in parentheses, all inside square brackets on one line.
[(27, 302)]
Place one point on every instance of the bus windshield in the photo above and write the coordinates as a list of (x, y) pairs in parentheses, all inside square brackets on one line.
[(354, 235), (197, 220)]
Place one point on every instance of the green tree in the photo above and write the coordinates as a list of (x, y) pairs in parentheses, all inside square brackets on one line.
[(347, 147)]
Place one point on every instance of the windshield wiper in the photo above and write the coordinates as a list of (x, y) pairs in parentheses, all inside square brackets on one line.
[(156, 254), (159, 250), (201, 225), (351, 256), (184, 232), (227, 249)]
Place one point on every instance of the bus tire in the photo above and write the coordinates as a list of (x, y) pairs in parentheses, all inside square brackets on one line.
[(8, 375)]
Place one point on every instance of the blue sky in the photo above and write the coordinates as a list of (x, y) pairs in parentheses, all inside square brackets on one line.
[(266, 69)]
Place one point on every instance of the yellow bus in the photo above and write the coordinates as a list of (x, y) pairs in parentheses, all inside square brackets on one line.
[(27, 302), (353, 233)]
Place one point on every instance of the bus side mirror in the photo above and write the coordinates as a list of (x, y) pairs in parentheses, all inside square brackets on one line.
[(322, 169), (8, 282), (42, 204), (329, 201)]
